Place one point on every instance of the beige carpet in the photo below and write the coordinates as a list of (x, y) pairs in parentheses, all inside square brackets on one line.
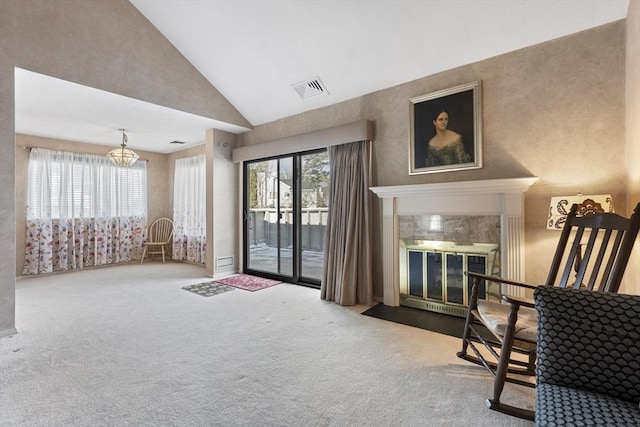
[(128, 346)]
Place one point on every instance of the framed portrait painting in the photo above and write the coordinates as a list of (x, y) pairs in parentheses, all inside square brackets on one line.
[(446, 130)]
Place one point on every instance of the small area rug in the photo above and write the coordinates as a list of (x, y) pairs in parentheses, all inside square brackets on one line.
[(207, 289), (248, 282)]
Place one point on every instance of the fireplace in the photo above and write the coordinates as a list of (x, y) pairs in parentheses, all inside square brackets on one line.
[(434, 253), (433, 232)]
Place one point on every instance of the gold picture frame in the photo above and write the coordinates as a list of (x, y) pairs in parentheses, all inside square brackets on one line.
[(446, 130)]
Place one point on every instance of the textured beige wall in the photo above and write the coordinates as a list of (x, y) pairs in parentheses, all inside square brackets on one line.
[(109, 45), (7, 197), (104, 44), (555, 111), (157, 194), (225, 202), (631, 284)]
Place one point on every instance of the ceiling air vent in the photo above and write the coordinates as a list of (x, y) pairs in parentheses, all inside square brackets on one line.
[(310, 88)]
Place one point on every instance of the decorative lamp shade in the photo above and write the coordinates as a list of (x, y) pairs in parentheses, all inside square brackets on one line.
[(123, 156), (587, 205)]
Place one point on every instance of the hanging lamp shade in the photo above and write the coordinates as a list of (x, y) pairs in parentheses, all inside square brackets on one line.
[(123, 156)]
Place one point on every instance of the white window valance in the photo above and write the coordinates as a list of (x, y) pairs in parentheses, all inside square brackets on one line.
[(323, 138)]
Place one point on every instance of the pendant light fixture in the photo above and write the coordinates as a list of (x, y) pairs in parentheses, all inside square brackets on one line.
[(123, 156)]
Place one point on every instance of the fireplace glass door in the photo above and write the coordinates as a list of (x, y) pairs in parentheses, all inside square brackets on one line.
[(434, 276), (416, 273), (436, 279), (455, 279), (477, 264)]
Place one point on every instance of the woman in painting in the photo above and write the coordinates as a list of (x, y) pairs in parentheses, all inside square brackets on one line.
[(446, 147)]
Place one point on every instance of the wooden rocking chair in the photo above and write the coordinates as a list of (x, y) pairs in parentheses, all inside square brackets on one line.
[(598, 265)]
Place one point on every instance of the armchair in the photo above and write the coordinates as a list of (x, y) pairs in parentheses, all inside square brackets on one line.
[(588, 358)]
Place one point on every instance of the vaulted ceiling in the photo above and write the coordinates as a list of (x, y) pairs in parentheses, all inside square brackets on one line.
[(255, 52)]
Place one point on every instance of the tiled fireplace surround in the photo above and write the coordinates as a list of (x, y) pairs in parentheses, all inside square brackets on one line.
[(495, 197)]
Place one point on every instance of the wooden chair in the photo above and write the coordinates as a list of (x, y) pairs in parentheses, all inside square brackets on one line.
[(159, 236), (598, 264)]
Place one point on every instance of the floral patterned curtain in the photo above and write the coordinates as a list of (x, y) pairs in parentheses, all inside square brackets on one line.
[(82, 211), (189, 210)]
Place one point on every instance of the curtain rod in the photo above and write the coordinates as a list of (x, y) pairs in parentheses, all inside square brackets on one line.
[(26, 147)]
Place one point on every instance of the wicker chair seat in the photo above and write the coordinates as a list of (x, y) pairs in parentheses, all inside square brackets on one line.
[(494, 317)]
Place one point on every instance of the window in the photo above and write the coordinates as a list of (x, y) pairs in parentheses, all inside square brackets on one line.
[(190, 209), (82, 210), (71, 185)]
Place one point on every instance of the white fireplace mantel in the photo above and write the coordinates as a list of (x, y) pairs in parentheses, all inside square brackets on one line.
[(503, 197)]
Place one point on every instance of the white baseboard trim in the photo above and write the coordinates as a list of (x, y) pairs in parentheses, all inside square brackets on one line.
[(224, 274), (8, 332)]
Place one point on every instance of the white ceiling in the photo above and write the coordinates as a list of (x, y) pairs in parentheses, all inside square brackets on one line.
[(54, 108), (355, 47)]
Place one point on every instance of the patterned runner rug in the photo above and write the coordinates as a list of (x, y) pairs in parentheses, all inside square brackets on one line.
[(207, 289), (247, 282)]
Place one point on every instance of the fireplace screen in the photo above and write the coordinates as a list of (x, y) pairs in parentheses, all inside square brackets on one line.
[(435, 278)]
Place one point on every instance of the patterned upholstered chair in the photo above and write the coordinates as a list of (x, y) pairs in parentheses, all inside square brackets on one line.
[(595, 260), (588, 370)]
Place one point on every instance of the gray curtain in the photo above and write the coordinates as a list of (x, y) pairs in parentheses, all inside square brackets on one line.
[(346, 276)]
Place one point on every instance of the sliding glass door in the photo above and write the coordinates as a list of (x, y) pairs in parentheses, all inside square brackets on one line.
[(285, 214), (269, 219), (314, 206)]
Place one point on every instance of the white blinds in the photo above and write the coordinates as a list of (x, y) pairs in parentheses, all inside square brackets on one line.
[(72, 185)]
